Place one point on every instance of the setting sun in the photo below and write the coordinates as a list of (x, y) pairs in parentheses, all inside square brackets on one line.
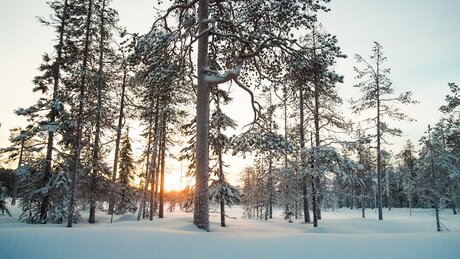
[(173, 181)]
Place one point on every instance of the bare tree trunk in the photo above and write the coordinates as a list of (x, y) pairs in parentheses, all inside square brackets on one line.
[(221, 174), (162, 170), (452, 198), (313, 185), (270, 185), (270, 167), (433, 184), (52, 119), (150, 171), (153, 176), (410, 204), (379, 156), (117, 140), (302, 159), (363, 202), (78, 146), (352, 197), (157, 183), (316, 178), (222, 186), (152, 208), (201, 211), (287, 211), (147, 180), (152, 194)]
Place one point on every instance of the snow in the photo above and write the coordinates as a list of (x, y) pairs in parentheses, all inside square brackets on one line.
[(341, 234)]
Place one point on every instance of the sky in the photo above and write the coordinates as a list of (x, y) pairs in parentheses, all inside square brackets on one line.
[(421, 40)]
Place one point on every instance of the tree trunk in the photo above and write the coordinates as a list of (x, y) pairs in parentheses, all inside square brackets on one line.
[(379, 156), (270, 185), (433, 184), (52, 119), (316, 177), (452, 198), (314, 186), (146, 184), (270, 168), (150, 171), (157, 183), (78, 146), (302, 159), (222, 186), (162, 170), (153, 176), (152, 208), (363, 203), (117, 141), (201, 210), (287, 211)]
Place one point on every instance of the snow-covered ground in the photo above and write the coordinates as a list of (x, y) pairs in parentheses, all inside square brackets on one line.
[(341, 234)]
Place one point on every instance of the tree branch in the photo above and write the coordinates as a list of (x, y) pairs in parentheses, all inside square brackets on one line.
[(255, 109)]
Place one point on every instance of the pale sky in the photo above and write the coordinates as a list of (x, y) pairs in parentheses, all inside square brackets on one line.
[(421, 40)]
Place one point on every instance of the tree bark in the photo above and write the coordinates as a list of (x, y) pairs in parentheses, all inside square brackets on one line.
[(287, 211), (222, 186), (162, 170), (201, 210), (379, 156), (150, 171), (270, 167), (221, 173), (433, 184), (316, 178), (302, 158), (153, 176), (117, 141)]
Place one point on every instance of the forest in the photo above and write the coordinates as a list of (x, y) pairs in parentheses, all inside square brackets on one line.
[(102, 84)]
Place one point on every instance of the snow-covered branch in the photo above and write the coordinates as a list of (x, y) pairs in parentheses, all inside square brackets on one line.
[(215, 77)]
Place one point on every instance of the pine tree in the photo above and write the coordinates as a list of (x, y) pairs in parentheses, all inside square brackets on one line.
[(162, 95), (44, 116), (406, 168), (220, 189), (126, 199), (77, 141), (18, 140), (377, 94), (254, 190), (367, 162), (434, 167), (267, 145), (249, 32), (124, 50), (450, 134), (312, 76)]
